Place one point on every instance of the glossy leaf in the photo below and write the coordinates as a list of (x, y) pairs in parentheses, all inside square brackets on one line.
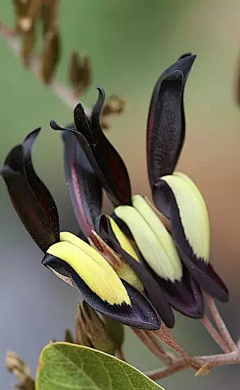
[(69, 367)]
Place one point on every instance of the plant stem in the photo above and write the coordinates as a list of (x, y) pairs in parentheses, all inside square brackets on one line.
[(208, 363), (214, 334), (57, 88), (162, 373), (153, 346), (165, 335), (220, 323)]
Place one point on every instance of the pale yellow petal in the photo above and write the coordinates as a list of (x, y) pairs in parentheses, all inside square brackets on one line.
[(193, 213), (94, 270), (85, 247), (152, 238), (123, 239)]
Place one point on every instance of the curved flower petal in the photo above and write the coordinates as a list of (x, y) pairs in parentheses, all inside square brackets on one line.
[(153, 290), (99, 283), (83, 184), (152, 238), (117, 262), (183, 295), (161, 257), (31, 199), (166, 121), (104, 158), (178, 197)]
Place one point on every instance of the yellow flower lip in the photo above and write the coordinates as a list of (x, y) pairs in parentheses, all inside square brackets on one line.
[(179, 199), (117, 261), (122, 239), (92, 268), (152, 238), (193, 213), (152, 288), (100, 285)]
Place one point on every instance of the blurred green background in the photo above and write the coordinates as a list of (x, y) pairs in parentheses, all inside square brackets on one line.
[(130, 43)]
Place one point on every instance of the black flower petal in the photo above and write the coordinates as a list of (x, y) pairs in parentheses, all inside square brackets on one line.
[(104, 158), (152, 288), (31, 199), (201, 271), (166, 121), (83, 184), (183, 295), (139, 314)]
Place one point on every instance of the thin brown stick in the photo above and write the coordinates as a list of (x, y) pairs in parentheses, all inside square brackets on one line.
[(207, 362), (160, 347), (57, 88), (163, 372), (214, 334), (153, 346), (220, 323), (222, 359), (165, 335)]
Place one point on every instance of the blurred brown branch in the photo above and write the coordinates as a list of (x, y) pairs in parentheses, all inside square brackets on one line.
[(58, 89)]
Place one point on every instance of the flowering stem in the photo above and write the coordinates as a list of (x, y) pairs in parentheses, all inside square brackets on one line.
[(153, 346), (220, 323), (214, 334), (165, 335), (209, 362), (161, 373)]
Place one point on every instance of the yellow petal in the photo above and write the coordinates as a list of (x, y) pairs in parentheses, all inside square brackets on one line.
[(118, 263), (122, 239), (92, 268), (152, 238), (193, 213)]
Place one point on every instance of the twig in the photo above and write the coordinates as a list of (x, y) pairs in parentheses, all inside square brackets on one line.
[(214, 334), (220, 323), (165, 335), (208, 363), (161, 373), (153, 346), (57, 88)]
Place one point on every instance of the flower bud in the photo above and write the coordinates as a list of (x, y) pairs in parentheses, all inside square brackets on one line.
[(104, 335), (50, 56)]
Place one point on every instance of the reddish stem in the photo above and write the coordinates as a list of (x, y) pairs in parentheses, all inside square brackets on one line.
[(214, 334), (220, 323)]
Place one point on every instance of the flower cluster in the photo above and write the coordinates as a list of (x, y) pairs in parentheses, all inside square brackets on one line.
[(145, 259)]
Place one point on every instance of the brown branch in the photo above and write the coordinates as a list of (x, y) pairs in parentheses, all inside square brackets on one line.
[(208, 362), (165, 335), (214, 334), (220, 323), (153, 346), (164, 372), (58, 89)]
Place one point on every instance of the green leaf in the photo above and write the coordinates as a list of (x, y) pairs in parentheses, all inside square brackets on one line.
[(64, 366)]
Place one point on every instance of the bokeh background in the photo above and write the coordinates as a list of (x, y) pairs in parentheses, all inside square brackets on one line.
[(130, 43)]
